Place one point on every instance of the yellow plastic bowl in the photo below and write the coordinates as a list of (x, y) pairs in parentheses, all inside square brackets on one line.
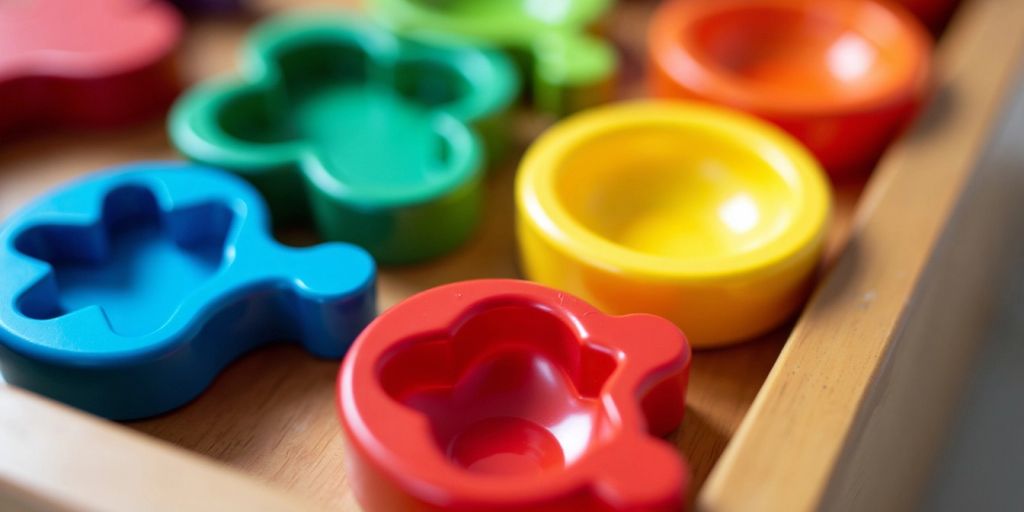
[(708, 217)]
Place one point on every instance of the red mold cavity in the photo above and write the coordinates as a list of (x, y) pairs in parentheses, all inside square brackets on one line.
[(506, 395)]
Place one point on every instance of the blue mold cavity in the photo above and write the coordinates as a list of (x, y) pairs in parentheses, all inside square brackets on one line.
[(126, 293), (115, 262)]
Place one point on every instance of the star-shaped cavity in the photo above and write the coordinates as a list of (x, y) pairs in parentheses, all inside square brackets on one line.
[(568, 68), (505, 395), (376, 137), (126, 293), (85, 62)]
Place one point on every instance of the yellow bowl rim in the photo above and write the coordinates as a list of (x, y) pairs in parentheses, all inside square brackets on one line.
[(537, 199)]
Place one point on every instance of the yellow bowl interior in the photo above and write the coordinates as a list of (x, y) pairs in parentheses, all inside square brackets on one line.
[(686, 195)]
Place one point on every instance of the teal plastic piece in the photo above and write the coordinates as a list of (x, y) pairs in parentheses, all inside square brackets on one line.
[(381, 141), (569, 68), (126, 293)]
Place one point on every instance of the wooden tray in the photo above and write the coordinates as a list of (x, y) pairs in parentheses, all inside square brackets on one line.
[(802, 446)]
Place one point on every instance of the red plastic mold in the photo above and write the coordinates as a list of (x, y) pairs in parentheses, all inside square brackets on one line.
[(505, 395), (85, 63)]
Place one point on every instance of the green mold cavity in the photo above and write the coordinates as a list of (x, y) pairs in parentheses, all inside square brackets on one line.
[(378, 139), (569, 68)]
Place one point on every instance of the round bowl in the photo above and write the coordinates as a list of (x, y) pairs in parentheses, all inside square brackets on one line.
[(705, 216), (842, 76)]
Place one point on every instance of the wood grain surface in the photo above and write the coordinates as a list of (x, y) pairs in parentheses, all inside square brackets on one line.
[(851, 416), (58, 459), (271, 414)]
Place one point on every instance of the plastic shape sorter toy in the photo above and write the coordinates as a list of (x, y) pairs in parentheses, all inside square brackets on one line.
[(127, 292), (568, 68), (85, 63), (379, 140), (505, 395), (842, 76)]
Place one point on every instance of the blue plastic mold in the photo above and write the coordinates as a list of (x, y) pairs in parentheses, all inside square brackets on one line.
[(126, 293)]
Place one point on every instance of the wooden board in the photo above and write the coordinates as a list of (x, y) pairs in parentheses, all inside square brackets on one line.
[(58, 459), (272, 414), (852, 413)]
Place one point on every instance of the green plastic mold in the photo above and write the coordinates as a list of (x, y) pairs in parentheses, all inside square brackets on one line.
[(569, 68), (379, 140)]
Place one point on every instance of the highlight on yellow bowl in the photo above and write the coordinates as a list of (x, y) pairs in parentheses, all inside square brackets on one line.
[(706, 216)]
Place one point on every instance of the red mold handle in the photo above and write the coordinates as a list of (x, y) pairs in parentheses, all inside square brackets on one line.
[(506, 395)]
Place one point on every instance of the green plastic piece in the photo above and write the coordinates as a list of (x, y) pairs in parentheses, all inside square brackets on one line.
[(569, 68), (379, 140)]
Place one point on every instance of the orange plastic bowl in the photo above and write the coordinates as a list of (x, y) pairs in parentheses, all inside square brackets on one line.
[(842, 76)]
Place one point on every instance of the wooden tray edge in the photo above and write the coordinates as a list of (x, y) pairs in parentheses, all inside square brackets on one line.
[(839, 375), (57, 458)]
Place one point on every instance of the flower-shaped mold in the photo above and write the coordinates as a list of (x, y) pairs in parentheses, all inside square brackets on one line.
[(126, 293), (374, 136), (85, 63), (842, 76), (504, 395), (702, 215), (569, 68)]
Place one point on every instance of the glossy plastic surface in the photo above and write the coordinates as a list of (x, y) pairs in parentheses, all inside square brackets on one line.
[(376, 138), (85, 63), (126, 293), (570, 69), (702, 215), (504, 395), (842, 76)]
